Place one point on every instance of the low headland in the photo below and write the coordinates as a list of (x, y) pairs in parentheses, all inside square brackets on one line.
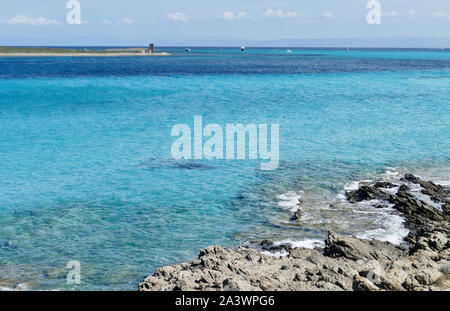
[(345, 263), (63, 52)]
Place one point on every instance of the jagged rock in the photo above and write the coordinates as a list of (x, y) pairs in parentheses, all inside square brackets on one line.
[(384, 184), (435, 241), (412, 178), (436, 192), (231, 284), (365, 193), (416, 209), (363, 284), (347, 263), (216, 249), (356, 249), (403, 188), (266, 243), (346, 266), (446, 209), (278, 248)]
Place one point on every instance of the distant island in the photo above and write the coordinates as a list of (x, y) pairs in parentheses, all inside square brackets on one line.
[(37, 51)]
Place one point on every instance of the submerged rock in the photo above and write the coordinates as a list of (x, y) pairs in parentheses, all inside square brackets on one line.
[(297, 216)]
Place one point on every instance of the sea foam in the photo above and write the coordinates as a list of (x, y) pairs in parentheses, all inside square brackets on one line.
[(290, 200)]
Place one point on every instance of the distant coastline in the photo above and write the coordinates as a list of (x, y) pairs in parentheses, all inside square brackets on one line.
[(61, 52)]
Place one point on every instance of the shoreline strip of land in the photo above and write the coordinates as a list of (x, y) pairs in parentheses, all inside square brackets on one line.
[(62, 52), (81, 54)]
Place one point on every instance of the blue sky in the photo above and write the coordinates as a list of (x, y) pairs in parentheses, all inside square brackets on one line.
[(215, 22)]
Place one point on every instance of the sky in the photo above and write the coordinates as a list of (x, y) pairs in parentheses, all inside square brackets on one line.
[(220, 22)]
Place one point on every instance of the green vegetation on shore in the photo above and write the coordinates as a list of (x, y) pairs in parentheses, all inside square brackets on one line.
[(32, 50)]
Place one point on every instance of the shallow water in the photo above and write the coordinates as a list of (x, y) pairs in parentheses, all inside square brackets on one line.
[(87, 174)]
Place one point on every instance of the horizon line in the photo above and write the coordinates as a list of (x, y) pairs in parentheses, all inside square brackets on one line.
[(235, 46)]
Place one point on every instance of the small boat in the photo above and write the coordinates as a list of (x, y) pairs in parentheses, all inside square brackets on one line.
[(288, 51), (187, 50), (348, 50), (242, 48)]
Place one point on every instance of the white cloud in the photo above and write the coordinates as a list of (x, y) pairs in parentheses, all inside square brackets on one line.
[(25, 20), (390, 14), (178, 17), (328, 15), (291, 14), (279, 14), (230, 15), (439, 15), (412, 13), (126, 20)]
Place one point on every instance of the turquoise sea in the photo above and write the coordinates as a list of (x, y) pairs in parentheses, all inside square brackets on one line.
[(86, 171)]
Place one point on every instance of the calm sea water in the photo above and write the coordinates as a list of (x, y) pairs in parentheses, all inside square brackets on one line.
[(86, 171)]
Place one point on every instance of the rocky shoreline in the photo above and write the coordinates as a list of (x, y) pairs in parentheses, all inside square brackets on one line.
[(345, 263)]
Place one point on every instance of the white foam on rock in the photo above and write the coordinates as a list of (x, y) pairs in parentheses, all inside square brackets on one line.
[(426, 199), (392, 172), (290, 200), (387, 224), (310, 243), (390, 225), (392, 229), (393, 190), (443, 182), (351, 186), (354, 185)]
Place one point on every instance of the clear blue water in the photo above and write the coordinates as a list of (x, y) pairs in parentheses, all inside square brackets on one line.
[(86, 172)]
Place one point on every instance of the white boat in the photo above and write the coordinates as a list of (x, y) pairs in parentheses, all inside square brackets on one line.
[(187, 50), (242, 48), (288, 51)]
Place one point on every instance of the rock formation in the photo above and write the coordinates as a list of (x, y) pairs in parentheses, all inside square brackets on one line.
[(346, 263)]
